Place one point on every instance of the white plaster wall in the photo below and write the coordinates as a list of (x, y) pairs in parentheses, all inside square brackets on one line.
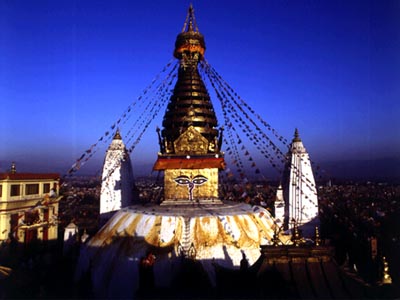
[(117, 179), (303, 198)]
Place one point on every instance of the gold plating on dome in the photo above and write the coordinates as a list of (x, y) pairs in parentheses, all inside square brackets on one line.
[(207, 232)]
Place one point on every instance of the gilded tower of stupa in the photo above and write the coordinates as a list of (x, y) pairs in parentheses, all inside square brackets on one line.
[(189, 142)]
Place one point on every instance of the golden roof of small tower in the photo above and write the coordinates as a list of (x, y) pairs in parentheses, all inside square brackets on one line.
[(117, 135), (296, 136)]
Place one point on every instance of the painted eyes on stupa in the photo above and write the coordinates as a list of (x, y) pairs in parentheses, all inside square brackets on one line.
[(185, 180), (199, 179)]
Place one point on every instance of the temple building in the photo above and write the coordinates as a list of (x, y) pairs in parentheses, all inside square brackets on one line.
[(117, 186), (299, 191), (192, 226), (193, 243), (29, 206)]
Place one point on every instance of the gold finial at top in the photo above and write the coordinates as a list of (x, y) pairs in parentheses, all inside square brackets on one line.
[(296, 136), (190, 40), (117, 135), (190, 22)]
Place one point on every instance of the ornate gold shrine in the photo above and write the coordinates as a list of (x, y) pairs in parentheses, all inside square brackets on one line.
[(191, 142)]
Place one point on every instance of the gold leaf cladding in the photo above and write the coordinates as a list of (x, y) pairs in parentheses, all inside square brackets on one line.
[(266, 225), (208, 190), (191, 142), (246, 238), (109, 236), (178, 229), (207, 232), (153, 235)]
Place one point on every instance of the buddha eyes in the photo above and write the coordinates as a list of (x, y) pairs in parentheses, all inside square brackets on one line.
[(199, 179), (185, 180)]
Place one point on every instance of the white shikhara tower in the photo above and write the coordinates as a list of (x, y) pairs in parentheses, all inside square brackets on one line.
[(117, 179), (299, 190)]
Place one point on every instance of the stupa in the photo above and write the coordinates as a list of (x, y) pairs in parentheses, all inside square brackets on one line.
[(192, 223)]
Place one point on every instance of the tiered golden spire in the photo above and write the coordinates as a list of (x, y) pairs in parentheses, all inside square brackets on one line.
[(189, 125), (190, 143)]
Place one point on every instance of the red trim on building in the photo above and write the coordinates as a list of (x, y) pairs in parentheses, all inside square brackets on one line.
[(189, 163)]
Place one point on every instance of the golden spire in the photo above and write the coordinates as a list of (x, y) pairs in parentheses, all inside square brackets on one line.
[(189, 124), (190, 21), (296, 136), (190, 144), (117, 135)]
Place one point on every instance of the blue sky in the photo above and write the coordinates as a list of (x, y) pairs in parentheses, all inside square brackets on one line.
[(68, 70)]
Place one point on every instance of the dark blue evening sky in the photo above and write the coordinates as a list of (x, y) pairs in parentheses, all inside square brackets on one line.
[(68, 69)]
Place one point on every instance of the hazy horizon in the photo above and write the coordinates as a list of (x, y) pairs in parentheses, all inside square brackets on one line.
[(331, 69)]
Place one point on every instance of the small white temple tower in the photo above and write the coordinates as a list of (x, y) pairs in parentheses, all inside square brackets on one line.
[(117, 184), (299, 190)]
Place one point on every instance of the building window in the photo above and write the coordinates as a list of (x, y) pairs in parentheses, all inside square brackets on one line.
[(32, 189), (15, 190), (46, 188), (32, 217), (1, 190)]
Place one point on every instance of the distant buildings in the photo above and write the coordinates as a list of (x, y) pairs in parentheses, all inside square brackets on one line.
[(28, 206)]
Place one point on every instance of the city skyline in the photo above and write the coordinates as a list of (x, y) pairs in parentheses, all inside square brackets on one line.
[(70, 68)]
